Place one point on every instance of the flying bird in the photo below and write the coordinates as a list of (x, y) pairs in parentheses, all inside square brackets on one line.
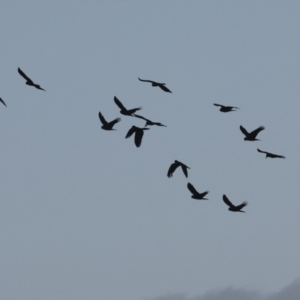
[(161, 85), (175, 165), (224, 108), (28, 80), (1, 100), (124, 111), (108, 125), (148, 122), (233, 207), (252, 135), (271, 155), (196, 195), (139, 132)]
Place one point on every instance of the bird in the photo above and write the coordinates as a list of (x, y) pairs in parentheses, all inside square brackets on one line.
[(139, 132), (233, 207), (175, 165), (271, 155), (196, 195), (124, 111), (252, 135), (161, 85), (28, 80), (1, 100), (224, 108), (108, 125), (148, 122)]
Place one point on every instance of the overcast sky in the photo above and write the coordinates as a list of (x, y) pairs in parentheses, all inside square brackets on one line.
[(87, 215)]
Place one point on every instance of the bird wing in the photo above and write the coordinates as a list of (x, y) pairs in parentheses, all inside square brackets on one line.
[(215, 104), (130, 132), (255, 132), (24, 75), (262, 151), (226, 200), (244, 131), (204, 194), (103, 121), (140, 117), (241, 205), (280, 156), (146, 80), (119, 103), (113, 122), (192, 189), (164, 88), (2, 101), (138, 137), (172, 169)]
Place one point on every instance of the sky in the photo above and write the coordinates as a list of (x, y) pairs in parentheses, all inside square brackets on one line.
[(85, 214)]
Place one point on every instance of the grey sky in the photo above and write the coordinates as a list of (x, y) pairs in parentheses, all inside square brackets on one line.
[(87, 215)]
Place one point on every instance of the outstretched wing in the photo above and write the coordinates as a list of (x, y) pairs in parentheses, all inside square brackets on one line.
[(255, 132), (192, 189), (24, 75), (138, 137), (2, 101), (130, 132), (280, 156), (241, 205), (140, 117), (113, 122), (244, 131), (172, 169), (164, 88), (146, 80), (215, 104), (184, 169), (204, 194), (103, 121), (226, 200), (119, 103), (262, 151)]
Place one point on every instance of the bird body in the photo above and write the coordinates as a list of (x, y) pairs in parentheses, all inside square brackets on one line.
[(196, 195), (252, 135), (224, 108), (148, 122), (28, 80), (108, 125), (139, 132), (160, 85), (232, 207), (175, 165), (271, 155), (124, 111)]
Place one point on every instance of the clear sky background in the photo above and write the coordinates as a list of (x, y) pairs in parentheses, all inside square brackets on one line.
[(85, 214)]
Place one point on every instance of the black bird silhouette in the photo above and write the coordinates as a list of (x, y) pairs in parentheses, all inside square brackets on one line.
[(196, 195), (252, 135), (175, 165), (161, 85), (28, 80), (139, 132), (226, 108), (108, 125), (233, 207), (271, 155), (1, 100), (124, 111), (148, 122)]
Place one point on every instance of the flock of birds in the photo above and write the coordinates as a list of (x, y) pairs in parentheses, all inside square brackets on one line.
[(139, 133)]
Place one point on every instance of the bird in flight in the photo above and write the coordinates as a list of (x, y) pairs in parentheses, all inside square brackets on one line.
[(139, 132), (175, 165), (196, 195), (252, 135), (108, 125), (28, 80), (161, 85), (148, 122), (1, 100), (271, 155), (233, 207), (124, 111), (224, 108)]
